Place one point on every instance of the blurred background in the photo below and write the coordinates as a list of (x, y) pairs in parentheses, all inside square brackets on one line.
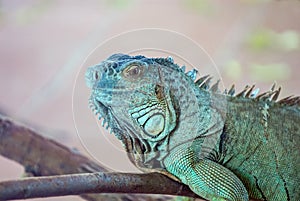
[(44, 43)]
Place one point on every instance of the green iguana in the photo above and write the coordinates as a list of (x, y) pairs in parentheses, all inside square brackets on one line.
[(224, 146)]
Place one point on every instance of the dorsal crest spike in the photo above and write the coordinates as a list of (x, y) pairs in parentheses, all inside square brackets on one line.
[(231, 91), (244, 92), (249, 92), (260, 96), (192, 74), (271, 96), (254, 93), (276, 95), (273, 86), (215, 87), (182, 68), (170, 59), (205, 84), (267, 96), (201, 80)]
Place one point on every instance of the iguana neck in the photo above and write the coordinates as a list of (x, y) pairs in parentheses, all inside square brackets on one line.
[(199, 115)]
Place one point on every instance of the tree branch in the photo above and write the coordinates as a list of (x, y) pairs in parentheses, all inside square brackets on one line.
[(76, 184), (44, 157)]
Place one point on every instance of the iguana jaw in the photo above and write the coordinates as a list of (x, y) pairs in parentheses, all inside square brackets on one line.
[(143, 149)]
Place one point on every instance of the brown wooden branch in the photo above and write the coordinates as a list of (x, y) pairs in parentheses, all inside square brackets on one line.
[(44, 157), (76, 184)]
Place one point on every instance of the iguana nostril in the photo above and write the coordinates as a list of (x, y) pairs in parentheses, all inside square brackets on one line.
[(96, 75)]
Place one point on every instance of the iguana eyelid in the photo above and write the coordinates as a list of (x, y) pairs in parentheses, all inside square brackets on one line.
[(134, 70)]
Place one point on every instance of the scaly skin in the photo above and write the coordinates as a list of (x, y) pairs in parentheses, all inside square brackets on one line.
[(223, 146)]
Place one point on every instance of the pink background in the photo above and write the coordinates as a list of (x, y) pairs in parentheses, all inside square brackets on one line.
[(44, 43)]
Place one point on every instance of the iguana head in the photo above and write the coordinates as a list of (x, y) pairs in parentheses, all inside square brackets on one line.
[(147, 102)]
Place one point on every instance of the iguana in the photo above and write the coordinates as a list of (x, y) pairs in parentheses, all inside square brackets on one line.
[(224, 146)]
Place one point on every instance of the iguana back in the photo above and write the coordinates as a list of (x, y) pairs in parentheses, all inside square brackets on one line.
[(261, 145)]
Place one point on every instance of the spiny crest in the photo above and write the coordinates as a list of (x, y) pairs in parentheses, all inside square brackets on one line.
[(290, 100), (270, 95), (166, 62), (203, 82), (248, 92)]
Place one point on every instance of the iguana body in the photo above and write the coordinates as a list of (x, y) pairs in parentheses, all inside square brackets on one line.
[(223, 146)]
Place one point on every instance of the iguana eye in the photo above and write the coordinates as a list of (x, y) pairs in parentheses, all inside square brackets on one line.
[(133, 71)]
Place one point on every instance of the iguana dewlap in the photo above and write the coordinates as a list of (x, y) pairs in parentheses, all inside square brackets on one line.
[(224, 146)]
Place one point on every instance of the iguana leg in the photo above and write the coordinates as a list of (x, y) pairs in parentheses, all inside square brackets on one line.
[(206, 178)]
